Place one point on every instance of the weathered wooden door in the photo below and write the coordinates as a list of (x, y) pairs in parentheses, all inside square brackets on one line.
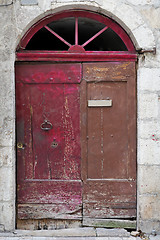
[(54, 153), (108, 142), (48, 141)]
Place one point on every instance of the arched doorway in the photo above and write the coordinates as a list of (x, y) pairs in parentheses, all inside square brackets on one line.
[(76, 122)]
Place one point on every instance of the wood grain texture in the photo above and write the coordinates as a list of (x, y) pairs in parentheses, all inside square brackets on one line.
[(50, 211), (109, 71)]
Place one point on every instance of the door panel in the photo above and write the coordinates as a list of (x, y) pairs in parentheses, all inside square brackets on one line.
[(48, 127), (107, 131), (109, 141)]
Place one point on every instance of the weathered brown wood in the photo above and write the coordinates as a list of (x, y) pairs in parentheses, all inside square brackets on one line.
[(109, 187), (52, 211), (107, 131), (50, 191), (109, 199), (47, 224), (108, 71), (83, 108)]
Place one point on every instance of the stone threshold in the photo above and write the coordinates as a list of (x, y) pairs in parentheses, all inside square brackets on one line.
[(70, 232)]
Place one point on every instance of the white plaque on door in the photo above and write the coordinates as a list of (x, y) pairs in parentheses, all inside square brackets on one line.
[(100, 103)]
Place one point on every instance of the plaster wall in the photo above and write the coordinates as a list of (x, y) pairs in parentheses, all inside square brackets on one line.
[(140, 18)]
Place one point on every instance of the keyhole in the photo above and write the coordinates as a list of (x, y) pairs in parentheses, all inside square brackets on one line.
[(54, 144)]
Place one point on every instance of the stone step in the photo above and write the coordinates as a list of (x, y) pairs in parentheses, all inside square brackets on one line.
[(86, 233)]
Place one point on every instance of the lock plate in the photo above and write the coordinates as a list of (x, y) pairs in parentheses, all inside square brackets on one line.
[(20, 145), (54, 144)]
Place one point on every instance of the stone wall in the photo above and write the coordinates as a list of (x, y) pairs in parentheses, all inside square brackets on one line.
[(140, 18)]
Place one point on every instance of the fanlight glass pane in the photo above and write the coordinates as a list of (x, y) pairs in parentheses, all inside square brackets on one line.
[(88, 28), (65, 28), (44, 40), (107, 41)]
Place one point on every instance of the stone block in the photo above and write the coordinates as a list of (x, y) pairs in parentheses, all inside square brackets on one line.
[(2, 228), (26, 16), (115, 238), (104, 232), (6, 156), (110, 6), (131, 22), (75, 4), (6, 122), (5, 2), (102, 238), (147, 105), (44, 5), (149, 129), (139, 2), (73, 1), (7, 106), (7, 216), (29, 2), (149, 179), (149, 79), (154, 237), (7, 180), (9, 33), (149, 207), (148, 151), (130, 238), (6, 16), (13, 238), (144, 37), (152, 16), (70, 232)]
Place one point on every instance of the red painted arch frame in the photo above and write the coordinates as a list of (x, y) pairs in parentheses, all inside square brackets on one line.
[(25, 55)]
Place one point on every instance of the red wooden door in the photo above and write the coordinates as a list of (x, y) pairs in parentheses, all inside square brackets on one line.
[(49, 153), (109, 141), (48, 141)]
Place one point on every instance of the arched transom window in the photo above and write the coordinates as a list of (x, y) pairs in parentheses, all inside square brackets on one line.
[(76, 32)]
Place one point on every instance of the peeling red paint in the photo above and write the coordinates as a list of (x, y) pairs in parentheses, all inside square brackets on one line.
[(49, 168)]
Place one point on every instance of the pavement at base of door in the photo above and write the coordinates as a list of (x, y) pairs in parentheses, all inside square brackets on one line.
[(86, 233)]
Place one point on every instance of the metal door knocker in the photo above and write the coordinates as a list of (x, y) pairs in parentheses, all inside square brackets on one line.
[(46, 125)]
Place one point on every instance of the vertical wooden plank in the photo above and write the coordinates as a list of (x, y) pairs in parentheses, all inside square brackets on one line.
[(20, 101), (71, 126), (83, 109), (94, 126), (48, 108), (113, 193), (115, 135), (131, 91), (24, 131)]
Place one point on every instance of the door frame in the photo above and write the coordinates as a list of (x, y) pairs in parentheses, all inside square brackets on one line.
[(23, 55)]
